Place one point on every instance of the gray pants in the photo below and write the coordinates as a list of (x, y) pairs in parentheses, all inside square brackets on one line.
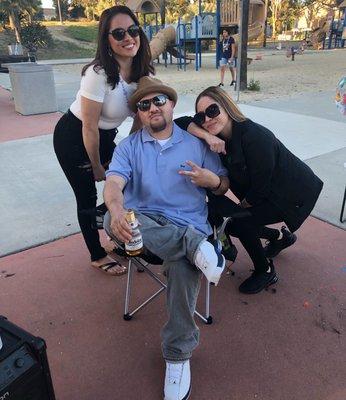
[(176, 246)]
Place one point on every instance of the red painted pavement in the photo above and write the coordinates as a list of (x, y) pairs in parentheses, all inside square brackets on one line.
[(15, 126), (288, 345)]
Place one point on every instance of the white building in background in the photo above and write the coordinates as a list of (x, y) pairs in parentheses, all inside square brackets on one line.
[(49, 13)]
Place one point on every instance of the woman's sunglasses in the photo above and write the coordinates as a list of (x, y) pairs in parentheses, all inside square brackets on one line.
[(211, 111), (119, 33), (158, 101)]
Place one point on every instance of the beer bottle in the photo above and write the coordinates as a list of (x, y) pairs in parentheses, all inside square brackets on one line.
[(135, 246)]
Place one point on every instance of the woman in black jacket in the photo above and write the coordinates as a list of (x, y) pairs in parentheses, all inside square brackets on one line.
[(271, 183)]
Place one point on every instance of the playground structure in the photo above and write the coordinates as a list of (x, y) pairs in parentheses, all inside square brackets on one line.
[(174, 39), (331, 33)]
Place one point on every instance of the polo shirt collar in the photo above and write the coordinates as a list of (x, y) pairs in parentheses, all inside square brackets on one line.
[(177, 135)]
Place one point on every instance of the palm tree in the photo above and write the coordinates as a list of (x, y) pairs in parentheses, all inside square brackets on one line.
[(13, 9)]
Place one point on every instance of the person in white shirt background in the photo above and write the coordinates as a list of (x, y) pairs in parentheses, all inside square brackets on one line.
[(84, 136)]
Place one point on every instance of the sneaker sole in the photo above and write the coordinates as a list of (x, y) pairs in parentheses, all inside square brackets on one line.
[(185, 397), (218, 271), (271, 282), (272, 255), (221, 264)]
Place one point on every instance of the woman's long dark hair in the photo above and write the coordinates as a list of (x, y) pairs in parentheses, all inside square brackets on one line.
[(141, 63)]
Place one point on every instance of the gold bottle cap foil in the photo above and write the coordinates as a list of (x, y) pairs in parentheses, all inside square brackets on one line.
[(130, 216)]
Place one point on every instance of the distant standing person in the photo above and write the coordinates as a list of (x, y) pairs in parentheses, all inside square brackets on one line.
[(84, 136), (228, 53)]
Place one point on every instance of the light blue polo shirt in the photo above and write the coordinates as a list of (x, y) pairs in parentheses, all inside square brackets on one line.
[(153, 185)]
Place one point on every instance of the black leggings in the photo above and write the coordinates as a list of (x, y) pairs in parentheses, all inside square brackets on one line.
[(247, 224), (74, 161)]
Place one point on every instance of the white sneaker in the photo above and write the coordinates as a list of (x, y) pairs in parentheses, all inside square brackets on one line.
[(210, 261), (177, 381)]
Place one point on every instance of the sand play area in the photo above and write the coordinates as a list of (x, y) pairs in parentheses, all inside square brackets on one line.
[(278, 76)]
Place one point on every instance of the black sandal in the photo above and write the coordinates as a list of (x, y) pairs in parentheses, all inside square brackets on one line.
[(107, 268)]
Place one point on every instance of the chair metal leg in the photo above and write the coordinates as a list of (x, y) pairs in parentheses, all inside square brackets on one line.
[(207, 318), (134, 261), (127, 314), (343, 207)]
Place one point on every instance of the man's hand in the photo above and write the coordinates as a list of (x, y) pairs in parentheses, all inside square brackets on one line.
[(201, 176), (216, 144), (119, 226)]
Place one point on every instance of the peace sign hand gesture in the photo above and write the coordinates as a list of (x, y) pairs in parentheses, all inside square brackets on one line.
[(202, 177)]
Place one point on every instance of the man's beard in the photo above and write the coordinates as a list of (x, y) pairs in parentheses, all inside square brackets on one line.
[(158, 126)]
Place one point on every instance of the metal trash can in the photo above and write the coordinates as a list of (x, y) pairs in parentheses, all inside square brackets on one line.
[(33, 88)]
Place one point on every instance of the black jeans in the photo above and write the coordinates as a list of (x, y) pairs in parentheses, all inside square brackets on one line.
[(74, 161), (247, 224)]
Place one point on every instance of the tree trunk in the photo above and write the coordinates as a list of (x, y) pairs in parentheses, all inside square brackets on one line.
[(265, 23), (14, 23), (274, 26), (244, 4), (163, 12)]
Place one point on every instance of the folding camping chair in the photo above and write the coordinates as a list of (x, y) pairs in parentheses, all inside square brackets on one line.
[(143, 265)]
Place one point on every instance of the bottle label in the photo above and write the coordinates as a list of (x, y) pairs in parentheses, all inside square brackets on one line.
[(136, 243)]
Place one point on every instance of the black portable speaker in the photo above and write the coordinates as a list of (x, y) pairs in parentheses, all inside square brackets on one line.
[(24, 370)]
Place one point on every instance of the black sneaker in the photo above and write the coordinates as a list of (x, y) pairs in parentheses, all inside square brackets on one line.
[(232, 83), (259, 281), (273, 248), (220, 84)]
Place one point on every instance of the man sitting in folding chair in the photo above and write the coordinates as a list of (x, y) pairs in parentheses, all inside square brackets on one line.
[(147, 174)]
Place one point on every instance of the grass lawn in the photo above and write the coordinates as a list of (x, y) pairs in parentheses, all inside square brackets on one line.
[(63, 50), (82, 33), (60, 50)]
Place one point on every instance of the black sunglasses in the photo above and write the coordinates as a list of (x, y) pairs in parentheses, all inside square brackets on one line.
[(158, 101), (119, 33), (211, 111)]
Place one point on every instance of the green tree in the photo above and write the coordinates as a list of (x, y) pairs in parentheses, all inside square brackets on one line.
[(35, 36), (64, 5), (176, 9), (89, 7), (93, 8), (13, 9), (313, 9)]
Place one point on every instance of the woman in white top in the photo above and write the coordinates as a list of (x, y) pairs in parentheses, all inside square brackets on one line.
[(84, 136)]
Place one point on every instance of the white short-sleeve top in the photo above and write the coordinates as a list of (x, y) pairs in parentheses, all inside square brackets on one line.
[(115, 108)]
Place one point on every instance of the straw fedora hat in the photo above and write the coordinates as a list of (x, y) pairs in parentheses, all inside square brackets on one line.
[(147, 85)]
